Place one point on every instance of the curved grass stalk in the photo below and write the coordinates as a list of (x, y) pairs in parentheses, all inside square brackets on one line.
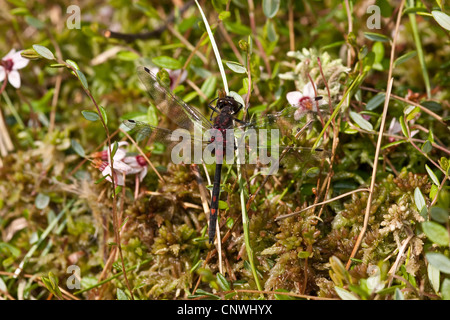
[(426, 79), (214, 46)]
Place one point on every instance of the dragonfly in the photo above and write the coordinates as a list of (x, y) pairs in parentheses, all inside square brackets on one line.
[(223, 119)]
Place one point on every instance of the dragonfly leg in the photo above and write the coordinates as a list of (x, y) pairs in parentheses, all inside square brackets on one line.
[(213, 110)]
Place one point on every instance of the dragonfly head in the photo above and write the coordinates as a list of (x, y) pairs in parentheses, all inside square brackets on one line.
[(230, 103)]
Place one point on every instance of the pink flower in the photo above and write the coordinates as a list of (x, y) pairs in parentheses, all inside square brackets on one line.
[(9, 65), (306, 101), (395, 127), (120, 167), (138, 165), (122, 164)]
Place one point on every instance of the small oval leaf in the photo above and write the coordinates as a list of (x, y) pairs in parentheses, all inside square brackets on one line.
[(376, 37), (436, 233), (44, 52), (236, 67), (78, 148), (90, 115), (375, 101), (42, 201), (270, 7), (432, 175), (442, 18), (82, 78), (439, 261), (167, 62), (360, 121), (419, 200)]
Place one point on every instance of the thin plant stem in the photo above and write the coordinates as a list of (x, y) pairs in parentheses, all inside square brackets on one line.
[(380, 138)]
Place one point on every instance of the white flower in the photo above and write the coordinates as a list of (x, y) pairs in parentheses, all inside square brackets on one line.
[(306, 101), (9, 65)]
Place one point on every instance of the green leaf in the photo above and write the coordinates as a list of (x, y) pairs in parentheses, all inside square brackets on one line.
[(393, 144), (404, 58), (167, 62), (344, 294), (433, 191), (360, 121), (230, 222), (127, 55), (42, 201), (439, 261), (209, 86), (223, 205), (36, 23), (121, 295), (398, 295), (312, 172), (90, 115), (44, 52), (104, 115), (223, 283), (78, 148), (419, 200), (434, 277), (411, 112), (403, 126), (270, 7), (73, 64), (224, 15), (114, 149), (439, 214), (432, 105), (427, 147), (201, 292), (431, 174), (82, 78), (376, 37), (303, 254), (445, 289), (436, 233), (281, 296), (442, 19), (236, 67), (376, 101), (238, 28), (51, 283), (378, 49)]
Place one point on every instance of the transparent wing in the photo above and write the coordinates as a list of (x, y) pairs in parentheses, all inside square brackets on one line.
[(173, 107), (145, 131), (287, 118)]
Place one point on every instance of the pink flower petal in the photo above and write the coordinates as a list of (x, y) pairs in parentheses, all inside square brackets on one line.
[(19, 61), (2, 73), (143, 174), (14, 79), (294, 97), (308, 90), (10, 54)]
